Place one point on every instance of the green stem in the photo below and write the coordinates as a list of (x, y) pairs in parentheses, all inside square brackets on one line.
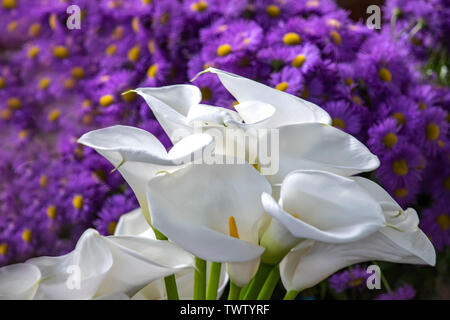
[(257, 282), (199, 279), (169, 281), (270, 284), (213, 281), (383, 278), (171, 288), (234, 292), (291, 295), (244, 291)]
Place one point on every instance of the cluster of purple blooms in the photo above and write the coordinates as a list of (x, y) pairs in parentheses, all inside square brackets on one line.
[(56, 84)]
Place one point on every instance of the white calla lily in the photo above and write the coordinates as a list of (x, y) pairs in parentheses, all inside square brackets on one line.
[(19, 281), (138, 155), (289, 108), (321, 206), (198, 214), (401, 242), (318, 146), (103, 266)]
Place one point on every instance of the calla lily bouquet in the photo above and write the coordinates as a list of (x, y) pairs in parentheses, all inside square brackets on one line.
[(217, 209)]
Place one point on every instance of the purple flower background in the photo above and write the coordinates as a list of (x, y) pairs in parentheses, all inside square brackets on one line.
[(382, 86)]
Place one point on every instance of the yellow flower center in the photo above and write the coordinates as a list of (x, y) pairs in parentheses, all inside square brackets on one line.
[(51, 212), (400, 117), (385, 75), (206, 93), (44, 83), (298, 61), (447, 183), (432, 131), (78, 201), (3, 249), (356, 99), (282, 86), (111, 50), (164, 18), (338, 123), (355, 282), (118, 32), (422, 105), (6, 114), (112, 227), (232, 227), (43, 181), (9, 4), (12, 26), (23, 134), (26, 235), (77, 73), (291, 39), (134, 54), (400, 167), (401, 192), (130, 96), (14, 103), (336, 37), (199, 6), (60, 52), (34, 30), (2, 83), (106, 100), (390, 140), (223, 50), (69, 83), (305, 93), (151, 46), (312, 3), (52, 21), (273, 11), (146, 1), (135, 24), (333, 23), (152, 71), (444, 221), (348, 81), (33, 52), (54, 115)]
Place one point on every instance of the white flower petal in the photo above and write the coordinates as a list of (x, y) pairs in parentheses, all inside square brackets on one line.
[(133, 223), (255, 111), (170, 105), (139, 261), (311, 262), (89, 262), (210, 114), (194, 212), (19, 281), (325, 207), (378, 193), (320, 147), (241, 273), (289, 109)]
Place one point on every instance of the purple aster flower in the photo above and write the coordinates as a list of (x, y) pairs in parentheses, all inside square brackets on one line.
[(344, 116), (403, 110), (351, 278), (401, 167), (289, 79), (111, 211), (435, 223), (405, 292), (432, 130), (384, 136)]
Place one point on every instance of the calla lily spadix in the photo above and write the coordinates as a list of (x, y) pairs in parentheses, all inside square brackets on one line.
[(199, 215), (139, 155), (320, 206), (401, 241)]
